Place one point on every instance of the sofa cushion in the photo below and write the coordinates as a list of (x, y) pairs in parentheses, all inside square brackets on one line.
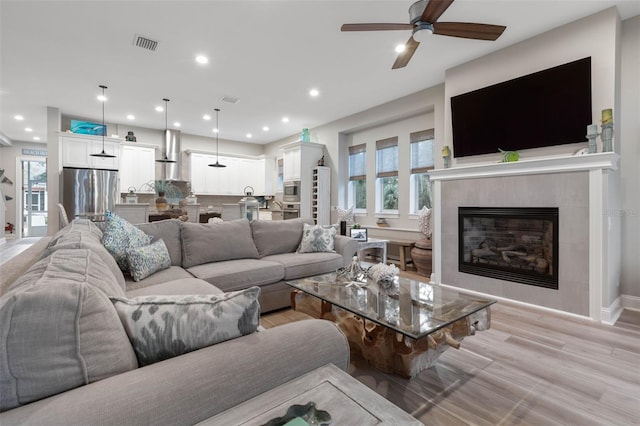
[(238, 274), (169, 231), (181, 286), (59, 329), (214, 242), (75, 236), (169, 274), (147, 260), (317, 238), (80, 225), (299, 265), (162, 327), (119, 236), (278, 236)]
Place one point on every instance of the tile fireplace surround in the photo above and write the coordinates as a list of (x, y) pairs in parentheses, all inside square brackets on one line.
[(585, 190)]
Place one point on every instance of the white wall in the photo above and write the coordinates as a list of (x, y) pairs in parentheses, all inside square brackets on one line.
[(630, 157), (418, 111), (593, 36)]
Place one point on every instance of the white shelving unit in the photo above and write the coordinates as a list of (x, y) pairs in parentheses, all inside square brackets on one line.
[(321, 195), (299, 159)]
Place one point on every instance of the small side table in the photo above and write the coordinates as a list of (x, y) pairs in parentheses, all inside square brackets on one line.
[(374, 243)]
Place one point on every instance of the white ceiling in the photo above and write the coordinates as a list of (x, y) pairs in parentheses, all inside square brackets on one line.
[(267, 53)]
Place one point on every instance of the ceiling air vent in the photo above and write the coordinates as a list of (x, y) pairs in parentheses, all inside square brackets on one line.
[(145, 42), (230, 99)]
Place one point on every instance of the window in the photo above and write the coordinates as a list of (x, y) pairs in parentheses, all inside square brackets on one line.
[(387, 175), (280, 175), (358, 177), (422, 144)]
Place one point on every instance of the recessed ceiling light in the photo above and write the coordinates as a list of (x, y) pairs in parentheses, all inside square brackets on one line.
[(285, 119), (400, 48), (159, 108), (36, 138), (215, 130), (201, 59), (101, 98), (314, 92), (131, 117), (177, 124), (265, 128), (18, 117), (28, 129), (249, 135), (206, 117)]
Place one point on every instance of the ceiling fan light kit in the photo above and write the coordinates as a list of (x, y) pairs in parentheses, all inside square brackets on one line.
[(423, 16), (104, 127)]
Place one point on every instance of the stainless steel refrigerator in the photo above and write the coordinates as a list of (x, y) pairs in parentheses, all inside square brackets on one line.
[(89, 193)]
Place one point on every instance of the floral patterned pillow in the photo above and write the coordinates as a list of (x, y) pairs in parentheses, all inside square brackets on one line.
[(317, 238), (120, 236), (147, 260), (345, 215), (424, 222), (161, 327)]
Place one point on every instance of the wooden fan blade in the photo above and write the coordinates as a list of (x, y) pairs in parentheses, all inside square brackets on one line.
[(375, 27), (469, 30), (403, 58), (434, 9)]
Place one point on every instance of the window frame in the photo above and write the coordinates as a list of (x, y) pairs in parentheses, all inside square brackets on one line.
[(419, 137), (383, 175), (360, 149)]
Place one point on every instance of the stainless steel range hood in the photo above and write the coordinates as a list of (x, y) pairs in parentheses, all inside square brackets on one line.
[(171, 151)]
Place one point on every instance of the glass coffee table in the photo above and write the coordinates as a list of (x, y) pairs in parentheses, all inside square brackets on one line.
[(402, 329)]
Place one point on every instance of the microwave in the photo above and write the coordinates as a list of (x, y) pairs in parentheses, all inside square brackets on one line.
[(291, 191)]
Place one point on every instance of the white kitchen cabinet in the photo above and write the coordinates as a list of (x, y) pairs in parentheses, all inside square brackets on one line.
[(299, 159), (239, 173), (77, 150), (137, 167)]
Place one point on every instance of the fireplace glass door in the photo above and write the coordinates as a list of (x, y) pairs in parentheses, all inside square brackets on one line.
[(512, 244)]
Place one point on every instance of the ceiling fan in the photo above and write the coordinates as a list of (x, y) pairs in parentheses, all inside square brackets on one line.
[(424, 15)]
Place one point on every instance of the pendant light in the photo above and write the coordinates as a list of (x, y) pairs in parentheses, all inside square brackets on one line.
[(104, 128), (217, 164), (166, 129)]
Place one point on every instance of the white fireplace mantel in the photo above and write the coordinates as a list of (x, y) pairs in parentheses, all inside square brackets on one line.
[(571, 163), (604, 238)]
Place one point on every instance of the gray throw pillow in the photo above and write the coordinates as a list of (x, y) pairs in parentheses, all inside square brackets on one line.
[(317, 238), (120, 236), (214, 242), (162, 327), (147, 260)]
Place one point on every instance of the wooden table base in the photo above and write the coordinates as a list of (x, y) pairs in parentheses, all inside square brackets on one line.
[(386, 349)]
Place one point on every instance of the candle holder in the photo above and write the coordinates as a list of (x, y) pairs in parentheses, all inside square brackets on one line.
[(607, 137)]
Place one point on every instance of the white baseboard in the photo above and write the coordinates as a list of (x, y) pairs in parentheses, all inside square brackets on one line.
[(631, 302), (610, 314), (516, 302)]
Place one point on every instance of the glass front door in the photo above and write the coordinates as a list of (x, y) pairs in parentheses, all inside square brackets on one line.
[(34, 198)]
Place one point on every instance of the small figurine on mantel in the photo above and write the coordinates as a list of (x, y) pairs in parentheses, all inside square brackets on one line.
[(321, 161), (130, 137)]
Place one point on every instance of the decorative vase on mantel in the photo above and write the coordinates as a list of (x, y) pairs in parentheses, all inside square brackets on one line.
[(421, 253)]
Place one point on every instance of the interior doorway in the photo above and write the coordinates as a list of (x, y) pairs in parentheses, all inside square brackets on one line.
[(33, 202)]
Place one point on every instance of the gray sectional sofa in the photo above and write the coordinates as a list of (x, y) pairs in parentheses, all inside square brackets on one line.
[(67, 356)]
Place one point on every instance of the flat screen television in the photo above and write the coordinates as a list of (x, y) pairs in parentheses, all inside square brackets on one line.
[(546, 108)]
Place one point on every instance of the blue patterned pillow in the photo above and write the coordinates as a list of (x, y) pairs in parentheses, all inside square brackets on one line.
[(147, 260), (317, 238), (120, 236), (161, 327)]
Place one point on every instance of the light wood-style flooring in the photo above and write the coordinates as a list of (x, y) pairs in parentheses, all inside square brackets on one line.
[(531, 368)]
